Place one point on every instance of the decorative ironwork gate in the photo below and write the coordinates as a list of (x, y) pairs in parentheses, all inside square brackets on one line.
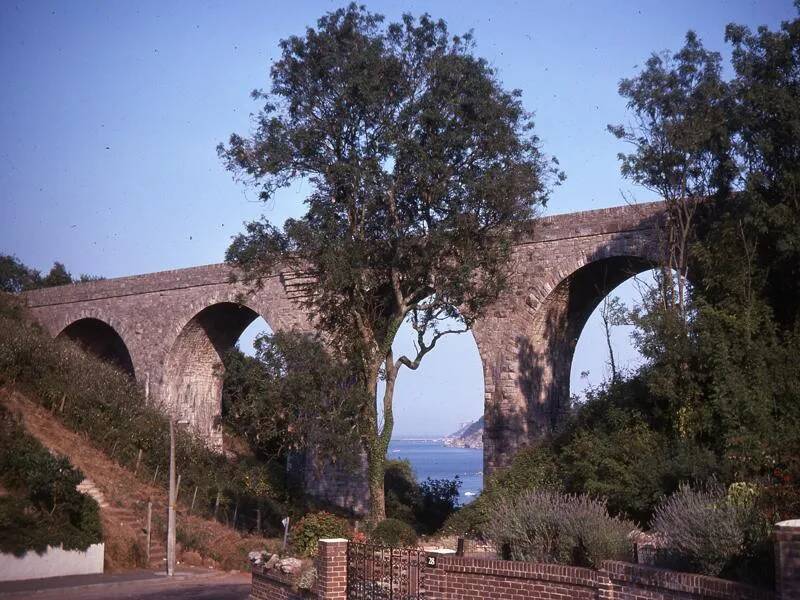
[(382, 573)]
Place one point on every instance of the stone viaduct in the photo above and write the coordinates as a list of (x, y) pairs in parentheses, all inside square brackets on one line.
[(169, 329)]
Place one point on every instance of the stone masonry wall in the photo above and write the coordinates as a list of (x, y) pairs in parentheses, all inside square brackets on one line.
[(175, 324)]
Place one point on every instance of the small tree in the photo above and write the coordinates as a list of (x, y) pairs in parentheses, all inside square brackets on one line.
[(15, 277), (421, 166), (682, 147)]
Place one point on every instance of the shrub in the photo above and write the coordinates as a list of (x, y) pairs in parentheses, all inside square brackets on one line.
[(534, 467), (468, 520), (426, 506), (715, 531), (401, 490), (553, 527), (395, 533), (43, 508), (314, 526), (438, 500)]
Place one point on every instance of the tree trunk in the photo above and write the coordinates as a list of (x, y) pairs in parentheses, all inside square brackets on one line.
[(377, 500), (377, 440)]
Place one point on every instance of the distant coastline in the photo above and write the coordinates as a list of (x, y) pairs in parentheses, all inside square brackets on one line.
[(469, 435)]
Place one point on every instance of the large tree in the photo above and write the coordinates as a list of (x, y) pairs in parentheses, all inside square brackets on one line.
[(421, 168)]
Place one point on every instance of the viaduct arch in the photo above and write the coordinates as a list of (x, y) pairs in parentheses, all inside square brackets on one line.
[(169, 329)]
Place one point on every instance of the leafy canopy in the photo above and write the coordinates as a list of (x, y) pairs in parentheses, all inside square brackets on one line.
[(419, 162)]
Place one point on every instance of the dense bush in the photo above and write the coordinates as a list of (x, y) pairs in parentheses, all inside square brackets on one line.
[(93, 397), (552, 527), (402, 493), (715, 531), (42, 507), (438, 500), (534, 467), (314, 526), (424, 506), (395, 533)]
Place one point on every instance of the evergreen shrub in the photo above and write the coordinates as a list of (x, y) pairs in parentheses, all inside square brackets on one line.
[(41, 507), (314, 526), (394, 533)]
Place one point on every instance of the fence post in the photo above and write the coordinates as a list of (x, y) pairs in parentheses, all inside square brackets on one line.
[(787, 559), (332, 569), (149, 527)]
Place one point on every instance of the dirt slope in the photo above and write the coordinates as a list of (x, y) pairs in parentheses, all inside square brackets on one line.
[(126, 496)]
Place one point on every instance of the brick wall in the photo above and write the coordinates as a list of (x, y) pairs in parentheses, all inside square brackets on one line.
[(787, 559), (332, 569), (459, 578), (471, 578), (271, 585), (474, 579), (625, 581), (331, 581)]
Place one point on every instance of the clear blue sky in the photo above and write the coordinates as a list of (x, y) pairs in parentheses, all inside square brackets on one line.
[(110, 113)]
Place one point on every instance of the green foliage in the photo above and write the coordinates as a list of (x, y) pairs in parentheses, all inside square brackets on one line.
[(106, 405), (402, 491), (15, 277), (423, 506), (619, 446), (394, 533), (422, 168), (312, 527), (552, 527), (716, 531), (438, 500), (534, 467), (42, 507), (283, 398), (58, 275)]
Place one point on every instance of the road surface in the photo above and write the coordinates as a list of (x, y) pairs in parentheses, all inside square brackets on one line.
[(200, 585)]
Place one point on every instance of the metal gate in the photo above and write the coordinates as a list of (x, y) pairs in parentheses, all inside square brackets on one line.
[(382, 573)]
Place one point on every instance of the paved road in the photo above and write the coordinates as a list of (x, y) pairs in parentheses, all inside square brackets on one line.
[(135, 586)]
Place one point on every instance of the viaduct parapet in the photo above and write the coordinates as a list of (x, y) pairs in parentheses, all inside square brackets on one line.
[(170, 329)]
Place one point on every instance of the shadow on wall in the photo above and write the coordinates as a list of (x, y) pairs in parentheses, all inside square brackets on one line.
[(194, 371), (531, 396), (100, 339)]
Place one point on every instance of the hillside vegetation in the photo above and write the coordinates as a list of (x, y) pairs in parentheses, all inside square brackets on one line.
[(39, 505), (107, 428)]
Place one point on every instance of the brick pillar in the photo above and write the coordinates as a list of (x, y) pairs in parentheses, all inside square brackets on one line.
[(787, 559), (332, 569)]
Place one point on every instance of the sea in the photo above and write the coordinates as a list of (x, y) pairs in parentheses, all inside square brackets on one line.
[(431, 458)]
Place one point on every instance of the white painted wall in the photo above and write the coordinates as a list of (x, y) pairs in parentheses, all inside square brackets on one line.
[(55, 562)]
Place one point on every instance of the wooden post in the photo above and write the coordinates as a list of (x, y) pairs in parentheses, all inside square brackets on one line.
[(194, 497), (138, 460), (155, 475), (149, 526), (171, 506)]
